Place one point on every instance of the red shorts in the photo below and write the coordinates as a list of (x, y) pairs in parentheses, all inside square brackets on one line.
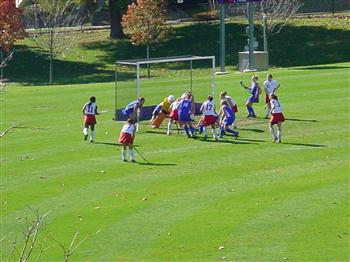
[(235, 109), (125, 138), (209, 120), (89, 120), (267, 99), (174, 115), (276, 118)]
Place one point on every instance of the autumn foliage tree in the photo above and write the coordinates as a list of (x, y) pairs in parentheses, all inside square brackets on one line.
[(11, 29), (145, 23)]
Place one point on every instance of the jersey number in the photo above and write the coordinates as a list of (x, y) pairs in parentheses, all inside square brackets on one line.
[(209, 107)]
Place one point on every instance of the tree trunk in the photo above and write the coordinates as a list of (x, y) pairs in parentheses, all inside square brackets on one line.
[(116, 19)]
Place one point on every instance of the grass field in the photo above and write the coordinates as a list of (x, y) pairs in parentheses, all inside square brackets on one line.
[(239, 200)]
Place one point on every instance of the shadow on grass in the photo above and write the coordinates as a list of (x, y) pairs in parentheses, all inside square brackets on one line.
[(235, 142), (107, 144), (155, 164), (302, 144), (293, 46), (253, 130), (322, 67), (301, 120)]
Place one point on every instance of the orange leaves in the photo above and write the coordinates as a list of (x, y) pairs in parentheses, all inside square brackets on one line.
[(11, 28), (145, 22)]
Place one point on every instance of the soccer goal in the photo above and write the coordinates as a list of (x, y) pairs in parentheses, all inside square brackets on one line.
[(169, 76)]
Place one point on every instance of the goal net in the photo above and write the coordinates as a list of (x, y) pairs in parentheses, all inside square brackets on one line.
[(157, 78)]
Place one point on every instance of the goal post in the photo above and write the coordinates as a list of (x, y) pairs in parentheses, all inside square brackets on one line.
[(123, 91)]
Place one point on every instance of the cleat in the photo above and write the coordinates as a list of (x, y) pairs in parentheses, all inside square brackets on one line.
[(124, 160), (279, 141), (85, 137), (253, 116), (92, 141), (274, 140), (236, 135), (133, 161)]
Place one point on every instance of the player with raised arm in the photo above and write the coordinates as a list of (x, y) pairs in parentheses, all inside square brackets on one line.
[(227, 119), (277, 118), (209, 117), (133, 110), (184, 111), (270, 87), (90, 111), (255, 91), (126, 138)]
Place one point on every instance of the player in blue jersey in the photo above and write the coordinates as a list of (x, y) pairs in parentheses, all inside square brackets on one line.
[(133, 110), (227, 119), (255, 91), (184, 111)]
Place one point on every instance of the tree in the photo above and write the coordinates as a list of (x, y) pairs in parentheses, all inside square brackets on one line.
[(11, 30), (275, 14), (145, 23), (116, 10), (54, 26)]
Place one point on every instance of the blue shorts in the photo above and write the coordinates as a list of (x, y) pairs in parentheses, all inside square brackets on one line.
[(185, 118), (228, 121), (253, 99), (127, 112)]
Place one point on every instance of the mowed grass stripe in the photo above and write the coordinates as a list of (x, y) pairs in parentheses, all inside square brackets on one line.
[(190, 195)]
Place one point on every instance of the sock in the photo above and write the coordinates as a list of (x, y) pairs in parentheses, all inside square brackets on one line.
[(222, 131), (85, 131), (123, 154), (137, 126), (252, 111), (186, 130), (201, 129), (267, 111), (231, 131), (169, 128), (204, 130), (214, 133), (279, 135), (249, 110), (192, 130), (132, 154), (92, 136), (272, 133)]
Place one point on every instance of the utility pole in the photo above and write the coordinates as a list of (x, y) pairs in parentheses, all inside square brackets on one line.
[(222, 38), (251, 34)]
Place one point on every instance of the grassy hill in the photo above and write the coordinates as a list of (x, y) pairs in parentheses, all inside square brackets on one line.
[(239, 200), (90, 55)]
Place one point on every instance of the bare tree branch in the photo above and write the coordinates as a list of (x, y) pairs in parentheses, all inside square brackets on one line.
[(277, 13), (68, 252)]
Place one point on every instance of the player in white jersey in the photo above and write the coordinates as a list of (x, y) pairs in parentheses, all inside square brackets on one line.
[(90, 112), (174, 115), (209, 117), (270, 87), (277, 118), (126, 138), (231, 103)]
